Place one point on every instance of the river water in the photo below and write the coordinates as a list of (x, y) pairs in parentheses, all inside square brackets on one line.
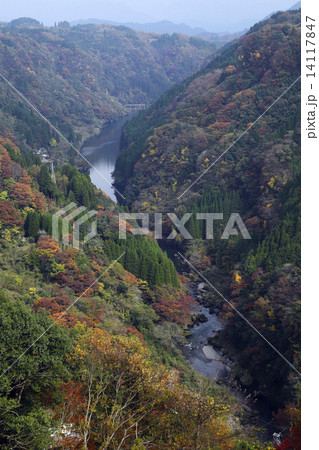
[(203, 357), (101, 151)]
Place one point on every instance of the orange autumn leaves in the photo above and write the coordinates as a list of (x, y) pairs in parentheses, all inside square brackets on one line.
[(9, 215), (46, 248), (15, 188), (120, 399), (173, 305)]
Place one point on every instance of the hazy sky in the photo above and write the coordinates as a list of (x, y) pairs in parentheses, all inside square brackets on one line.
[(214, 15)]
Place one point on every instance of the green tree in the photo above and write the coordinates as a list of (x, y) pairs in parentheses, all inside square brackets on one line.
[(32, 224), (27, 374), (45, 182)]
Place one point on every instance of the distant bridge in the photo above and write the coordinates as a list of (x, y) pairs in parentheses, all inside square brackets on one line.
[(135, 106)]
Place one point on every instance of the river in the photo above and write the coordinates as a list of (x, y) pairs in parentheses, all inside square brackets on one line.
[(203, 357), (101, 151)]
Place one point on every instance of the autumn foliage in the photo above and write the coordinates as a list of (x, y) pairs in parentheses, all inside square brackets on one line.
[(15, 188), (119, 399), (173, 305), (21, 193), (9, 215), (46, 248)]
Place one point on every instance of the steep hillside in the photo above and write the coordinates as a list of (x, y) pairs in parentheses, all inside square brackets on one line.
[(82, 77), (168, 146), (105, 363)]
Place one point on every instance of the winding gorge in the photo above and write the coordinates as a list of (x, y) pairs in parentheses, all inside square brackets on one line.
[(101, 152), (145, 342)]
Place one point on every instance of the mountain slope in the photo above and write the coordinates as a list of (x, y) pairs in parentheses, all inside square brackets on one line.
[(207, 112), (82, 77)]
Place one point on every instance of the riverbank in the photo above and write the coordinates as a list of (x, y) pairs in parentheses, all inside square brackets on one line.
[(209, 360), (203, 357)]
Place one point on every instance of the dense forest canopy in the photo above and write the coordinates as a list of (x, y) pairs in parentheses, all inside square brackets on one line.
[(91, 349)]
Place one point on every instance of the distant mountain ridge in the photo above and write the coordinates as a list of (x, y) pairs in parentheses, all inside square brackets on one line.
[(161, 27), (169, 27)]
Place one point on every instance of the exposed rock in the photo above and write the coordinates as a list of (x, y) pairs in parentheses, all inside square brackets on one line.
[(199, 318), (202, 318), (211, 353)]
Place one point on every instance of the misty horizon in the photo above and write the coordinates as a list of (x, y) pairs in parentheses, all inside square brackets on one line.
[(215, 19)]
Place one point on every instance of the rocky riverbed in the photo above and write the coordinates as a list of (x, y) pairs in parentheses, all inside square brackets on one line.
[(202, 356)]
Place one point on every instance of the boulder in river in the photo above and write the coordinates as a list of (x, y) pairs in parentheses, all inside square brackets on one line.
[(202, 318), (199, 318), (211, 353)]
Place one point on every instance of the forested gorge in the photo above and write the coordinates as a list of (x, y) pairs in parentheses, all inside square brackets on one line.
[(108, 369), (108, 321), (189, 126)]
